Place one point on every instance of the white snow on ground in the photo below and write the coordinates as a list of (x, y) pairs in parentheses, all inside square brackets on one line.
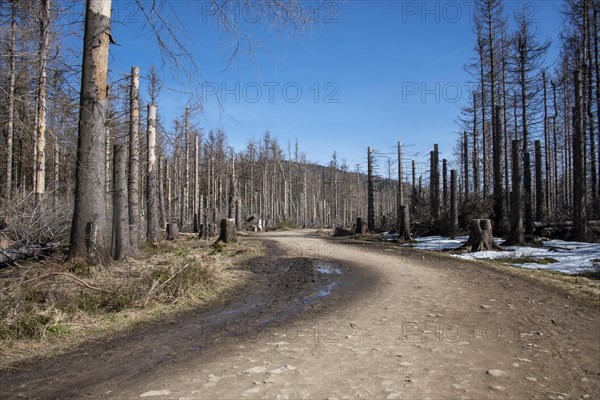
[(571, 257)]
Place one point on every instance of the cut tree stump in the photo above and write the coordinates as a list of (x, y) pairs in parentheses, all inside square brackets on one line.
[(361, 228), (228, 231), (480, 237), (172, 231)]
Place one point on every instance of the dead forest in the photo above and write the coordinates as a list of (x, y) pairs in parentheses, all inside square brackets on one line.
[(96, 171)]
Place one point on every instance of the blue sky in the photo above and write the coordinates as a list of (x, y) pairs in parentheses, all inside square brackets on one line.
[(367, 73)]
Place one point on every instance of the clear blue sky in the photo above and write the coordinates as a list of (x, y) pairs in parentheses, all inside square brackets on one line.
[(371, 73)]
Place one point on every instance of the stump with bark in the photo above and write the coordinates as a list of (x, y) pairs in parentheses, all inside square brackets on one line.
[(361, 228), (228, 231), (172, 231), (404, 228), (480, 237)]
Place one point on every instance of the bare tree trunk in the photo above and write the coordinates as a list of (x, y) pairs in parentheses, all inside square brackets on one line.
[(89, 215), (453, 204), (134, 160), (371, 194), (445, 183), (172, 231), (404, 229), (10, 123), (196, 183), (579, 203), (228, 233), (517, 233), (434, 183), (40, 162), (120, 204), (546, 145), (186, 174), (466, 163), (539, 183), (161, 193), (56, 173), (107, 145), (475, 154), (590, 113), (498, 189), (400, 180), (151, 189)]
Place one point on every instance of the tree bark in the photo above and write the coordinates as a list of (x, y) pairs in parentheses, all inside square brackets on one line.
[(361, 228), (134, 160), (579, 203), (539, 183), (152, 213), (371, 192), (404, 229), (90, 174), (40, 162), (120, 204), (481, 237), (172, 231), (497, 165), (10, 123), (517, 233), (228, 233), (184, 218), (453, 204)]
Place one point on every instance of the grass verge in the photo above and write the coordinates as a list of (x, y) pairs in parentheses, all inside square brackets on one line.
[(47, 308)]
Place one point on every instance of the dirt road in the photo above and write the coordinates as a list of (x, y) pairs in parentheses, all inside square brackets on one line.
[(348, 320)]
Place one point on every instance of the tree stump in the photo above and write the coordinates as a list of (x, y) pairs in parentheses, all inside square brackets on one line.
[(404, 228), (480, 237), (172, 231), (361, 228), (228, 231)]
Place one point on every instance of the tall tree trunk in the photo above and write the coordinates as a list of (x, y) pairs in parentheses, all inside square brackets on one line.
[(162, 214), (400, 179), (579, 203), (498, 189), (466, 163), (371, 192), (597, 73), (196, 183), (453, 204), (151, 189), (120, 203), (107, 145), (88, 232), (546, 145), (539, 183), (10, 124), (475, 153), (134, 160), (517, 234), (434, 183), (590, 113), (186, 175), (527, 184), (40, 162), (445, 183)]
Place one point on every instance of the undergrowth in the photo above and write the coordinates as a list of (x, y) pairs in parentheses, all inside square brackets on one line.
[(51, 301)]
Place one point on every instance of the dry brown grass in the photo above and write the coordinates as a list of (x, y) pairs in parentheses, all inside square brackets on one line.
[(51, 307)]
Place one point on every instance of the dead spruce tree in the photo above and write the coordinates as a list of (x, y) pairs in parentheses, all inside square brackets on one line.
[(89, 237)]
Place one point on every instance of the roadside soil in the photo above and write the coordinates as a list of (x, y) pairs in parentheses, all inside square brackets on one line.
[(329, 318)]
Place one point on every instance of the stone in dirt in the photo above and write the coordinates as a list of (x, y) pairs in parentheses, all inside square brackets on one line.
[(496, 373), (154, 393)]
